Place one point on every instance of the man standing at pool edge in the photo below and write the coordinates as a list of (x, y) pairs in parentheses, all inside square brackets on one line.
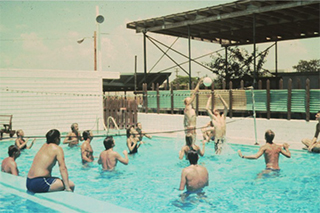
[(271, 152), (39, 177), (194, 177)]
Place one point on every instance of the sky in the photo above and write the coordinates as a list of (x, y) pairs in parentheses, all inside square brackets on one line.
[(44, 34)]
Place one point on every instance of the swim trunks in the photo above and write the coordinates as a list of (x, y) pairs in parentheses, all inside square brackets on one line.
[(40, 184)]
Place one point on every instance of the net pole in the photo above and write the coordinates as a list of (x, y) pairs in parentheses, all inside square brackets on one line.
[(254, 117)]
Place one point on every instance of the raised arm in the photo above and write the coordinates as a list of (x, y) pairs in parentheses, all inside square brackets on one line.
[(183, 180), (69, 139), (195, 91), (255, 156), (286, 151), (181, 153), (225, 105), (201, 152), (212, 116), (125, 159), (63, 169)]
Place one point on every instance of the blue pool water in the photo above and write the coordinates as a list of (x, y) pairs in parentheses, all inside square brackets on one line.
[(13, 203), (150, 182)]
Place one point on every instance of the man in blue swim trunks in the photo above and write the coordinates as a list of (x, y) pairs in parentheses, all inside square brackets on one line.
[(39, 177), (194, 177), (271, 152)]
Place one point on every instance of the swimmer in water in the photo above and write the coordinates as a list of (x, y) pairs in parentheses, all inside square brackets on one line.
[(20, 142), (73, 137), (133, 142), (271, 153), (191, 147), (86, 149), (9, 164), (193, 177), (109, 158)]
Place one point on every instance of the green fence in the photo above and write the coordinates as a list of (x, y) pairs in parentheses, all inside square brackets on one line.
[(278, 100)]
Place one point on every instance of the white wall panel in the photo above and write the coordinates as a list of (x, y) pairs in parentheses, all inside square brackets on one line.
[(40, 100)]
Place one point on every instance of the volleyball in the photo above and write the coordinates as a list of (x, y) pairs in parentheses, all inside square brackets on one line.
[(207, 81)]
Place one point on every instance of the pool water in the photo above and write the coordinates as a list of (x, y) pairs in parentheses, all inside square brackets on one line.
[(13, 203), (151, 180)]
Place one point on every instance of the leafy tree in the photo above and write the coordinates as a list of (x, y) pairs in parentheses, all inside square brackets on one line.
[(308, 66), (240, 63), (183, 81)]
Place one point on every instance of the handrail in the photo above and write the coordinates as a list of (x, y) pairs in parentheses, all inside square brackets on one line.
[(108, 124)]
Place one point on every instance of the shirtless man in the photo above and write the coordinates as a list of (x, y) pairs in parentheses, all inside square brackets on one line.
[(73, 137), (312, 145), (194, 177), (39, 177), (86, 149), (190, 117), (109, 158), (9, 164), (20, 142), (191, 147), (271, 153), (219, 122)]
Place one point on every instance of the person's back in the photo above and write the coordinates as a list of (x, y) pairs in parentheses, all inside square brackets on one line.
[(191, 147), (197, 177), (270, 151), (194, 177), (44, 161), (9, 164), (109, 158), (271, 155), (39, 177)]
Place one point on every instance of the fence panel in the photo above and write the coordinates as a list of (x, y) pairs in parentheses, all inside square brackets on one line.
[(279, 100), (298, 100), (314, 100)]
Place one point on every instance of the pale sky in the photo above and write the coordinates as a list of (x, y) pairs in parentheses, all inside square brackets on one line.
[(44, 34)]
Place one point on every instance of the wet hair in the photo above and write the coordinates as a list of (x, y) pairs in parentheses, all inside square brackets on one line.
[(72, 126), (12, 150), (269, 135), (193, 157), (189, 140), (318, 111), (52, 136), (108, 142), (128, 130), (18, 132), (86, 134)]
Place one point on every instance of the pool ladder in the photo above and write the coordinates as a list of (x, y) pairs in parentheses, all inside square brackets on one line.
[(108, 125)]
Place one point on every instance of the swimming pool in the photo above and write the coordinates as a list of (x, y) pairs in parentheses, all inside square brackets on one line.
[(150, 182)]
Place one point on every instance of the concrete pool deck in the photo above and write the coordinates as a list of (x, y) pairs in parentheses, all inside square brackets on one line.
[(239, 130)]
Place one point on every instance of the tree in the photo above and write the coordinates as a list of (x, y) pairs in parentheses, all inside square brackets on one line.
[(308, 66), (183, 81), (240, 64)]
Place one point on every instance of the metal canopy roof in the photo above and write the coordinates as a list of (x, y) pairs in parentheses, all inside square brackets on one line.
[(232, 23), (126, 81)]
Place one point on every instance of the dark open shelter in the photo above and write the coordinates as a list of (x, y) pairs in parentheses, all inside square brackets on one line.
[(238, 23)]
